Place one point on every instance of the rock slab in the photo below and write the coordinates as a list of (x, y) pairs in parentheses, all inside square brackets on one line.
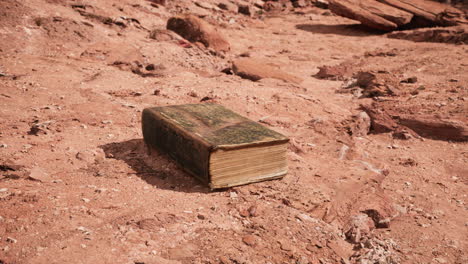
[(255, 70), (195, 29)]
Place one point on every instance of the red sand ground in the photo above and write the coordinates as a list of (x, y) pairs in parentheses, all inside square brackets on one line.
[(79, 187)]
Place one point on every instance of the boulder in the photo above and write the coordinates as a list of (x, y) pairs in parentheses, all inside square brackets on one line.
[(428, 13), (195, 29), (371, 13), (255, 70), (388, 15)]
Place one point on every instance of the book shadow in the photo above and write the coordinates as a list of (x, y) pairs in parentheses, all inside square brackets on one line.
[(156, 168)]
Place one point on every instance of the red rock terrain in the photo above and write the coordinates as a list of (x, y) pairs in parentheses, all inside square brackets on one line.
[(378, 127)]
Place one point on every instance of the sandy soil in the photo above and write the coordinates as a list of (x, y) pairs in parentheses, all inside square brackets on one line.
[(76, 184)]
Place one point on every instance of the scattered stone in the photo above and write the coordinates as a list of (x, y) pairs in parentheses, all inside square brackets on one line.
[(380, 217), (245, 9), (201, 217), (193, 94), (206, 5), (11, 240), (253, 211), (360, 227), (255, 70), (285, 245), (244, 213), (337, 72), (361, 124), (88, 156), (38, 174), (224, 260), (299, 3), (249, 240), (402, 134), (228, 6), (41, 128), (413, 79), (381, 122), (321, 4), (377, 84), (86, 200), (195, 29)]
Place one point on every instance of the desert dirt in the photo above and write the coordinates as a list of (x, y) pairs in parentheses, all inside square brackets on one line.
[(77, 185)]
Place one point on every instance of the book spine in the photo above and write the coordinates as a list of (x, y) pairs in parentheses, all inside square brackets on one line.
[(162, 135)]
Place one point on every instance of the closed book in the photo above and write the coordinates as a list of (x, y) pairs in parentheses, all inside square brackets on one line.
[(216, 145)]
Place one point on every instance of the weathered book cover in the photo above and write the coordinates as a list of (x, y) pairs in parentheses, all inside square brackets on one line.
[(190, 133)]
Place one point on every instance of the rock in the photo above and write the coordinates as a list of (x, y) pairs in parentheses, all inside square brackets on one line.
[(159, 2), (295, 147), (88, 156), (431, 127), (337, 72), (360, 226), (201, 217), (206, 5), (164, 35), (253, 211), (377, 84), (249, 240), (321, 4), (299, 3), (250, 212), (11, 240), (41, 128), (245, 9), (285, 245), (389, 15), (381, 122), (271, 6), (371, 13), (228, 6), (428, 13), (412, 79), (361, 124), (255, 70), (224, 260), (38, 174), (244, 213), (455, 35), (195, 29)]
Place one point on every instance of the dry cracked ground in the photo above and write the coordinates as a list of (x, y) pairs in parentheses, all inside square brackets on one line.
[(377, 159)]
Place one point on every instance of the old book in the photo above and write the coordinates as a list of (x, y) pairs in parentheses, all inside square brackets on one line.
[(216, 145)]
